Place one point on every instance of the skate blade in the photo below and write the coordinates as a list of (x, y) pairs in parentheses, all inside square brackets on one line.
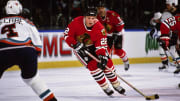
[(123, 94)]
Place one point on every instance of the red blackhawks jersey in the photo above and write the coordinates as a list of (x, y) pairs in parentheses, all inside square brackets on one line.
[(78, 32), (171, 24), (112, 22)]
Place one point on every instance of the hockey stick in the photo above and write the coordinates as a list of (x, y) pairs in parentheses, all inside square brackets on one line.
[(153, 97), (111, 50), (171, 64), (178, 69)]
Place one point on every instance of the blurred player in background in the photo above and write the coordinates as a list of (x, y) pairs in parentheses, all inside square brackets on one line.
[(19, 45), (87, 33), (114, 26), (156, 22), (171, 9), (169, 25)]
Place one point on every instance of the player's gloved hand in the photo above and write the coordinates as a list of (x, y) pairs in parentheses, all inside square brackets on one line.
[(78, 46), (164, 42), (103, 63), (154, 33)]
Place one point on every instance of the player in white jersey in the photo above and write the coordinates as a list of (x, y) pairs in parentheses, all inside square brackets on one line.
[(156, 22), (154, 33), (19, 45)]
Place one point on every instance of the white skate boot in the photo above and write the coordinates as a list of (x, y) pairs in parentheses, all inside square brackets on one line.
[(107, 90)]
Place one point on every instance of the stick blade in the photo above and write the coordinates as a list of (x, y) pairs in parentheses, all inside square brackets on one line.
[(153, 97)]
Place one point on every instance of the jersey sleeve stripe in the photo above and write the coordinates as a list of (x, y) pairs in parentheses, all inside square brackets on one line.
[(15, 42), (166, 24), (38, 49)]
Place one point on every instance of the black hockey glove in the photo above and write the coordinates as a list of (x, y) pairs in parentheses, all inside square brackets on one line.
[(79, 46), (103, 63), (154, 33)]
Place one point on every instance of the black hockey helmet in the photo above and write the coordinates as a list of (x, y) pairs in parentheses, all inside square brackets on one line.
[(90, 11), (26, 13), (100, 3)]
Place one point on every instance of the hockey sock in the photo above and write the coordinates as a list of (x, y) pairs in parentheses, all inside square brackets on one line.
[(99, 76), (178, 60), (97, 73), (164, 59), (39, 87), (122, 54), (111, 76)]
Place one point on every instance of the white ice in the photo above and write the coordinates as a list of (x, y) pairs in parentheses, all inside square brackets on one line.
[(76, 84)]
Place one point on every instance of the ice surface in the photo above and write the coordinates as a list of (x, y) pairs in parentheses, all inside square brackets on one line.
[(76, 84)]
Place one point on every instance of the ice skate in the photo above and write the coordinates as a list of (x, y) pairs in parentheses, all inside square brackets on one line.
[(118, 88), (126, 65), (163, 67), (177, 71), (108, 91)]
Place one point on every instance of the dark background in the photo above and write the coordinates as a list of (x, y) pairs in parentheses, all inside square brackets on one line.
[(56, 14)]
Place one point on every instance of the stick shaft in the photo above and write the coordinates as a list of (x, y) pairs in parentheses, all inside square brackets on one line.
[(172, 56)]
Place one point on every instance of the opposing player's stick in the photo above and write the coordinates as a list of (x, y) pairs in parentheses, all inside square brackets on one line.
[(153, 97), (178, 69)]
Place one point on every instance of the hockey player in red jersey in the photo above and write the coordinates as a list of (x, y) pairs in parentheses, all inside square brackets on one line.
[(172, 24), (19, 45), (114, 26), (87, 33)]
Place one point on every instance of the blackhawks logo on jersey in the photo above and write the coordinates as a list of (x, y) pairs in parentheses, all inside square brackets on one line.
[(84, 38), (103, 32), (178, 18), (108, 27), (113, 14)]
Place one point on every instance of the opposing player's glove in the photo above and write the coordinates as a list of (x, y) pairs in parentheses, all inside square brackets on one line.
[(154, 33), (103, 63), (164, 42)]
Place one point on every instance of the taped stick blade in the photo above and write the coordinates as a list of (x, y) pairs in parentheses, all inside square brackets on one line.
[(153, 97)]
